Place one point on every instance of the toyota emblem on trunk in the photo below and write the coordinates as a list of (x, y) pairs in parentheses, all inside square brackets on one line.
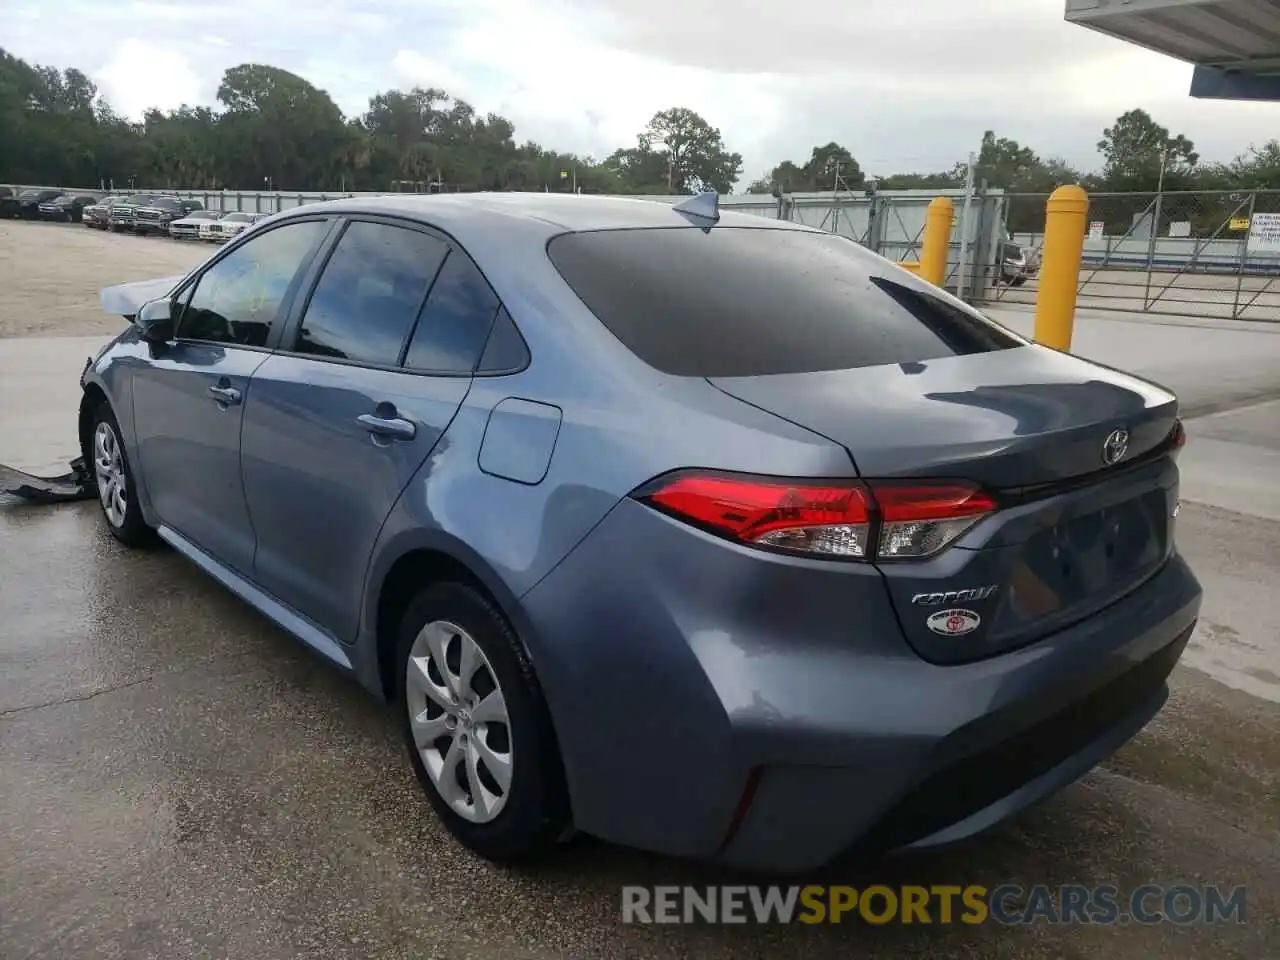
[(1115, 446)]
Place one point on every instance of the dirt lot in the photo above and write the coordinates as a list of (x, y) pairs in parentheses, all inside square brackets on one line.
[(62, 267)]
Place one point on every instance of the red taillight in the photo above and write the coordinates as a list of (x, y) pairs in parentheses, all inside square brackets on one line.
[(790, 515), (908, 520), (1179, 435)]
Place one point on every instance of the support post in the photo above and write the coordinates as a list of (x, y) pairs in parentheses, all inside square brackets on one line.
[(962, 286), (937, 240), (1066, 219)]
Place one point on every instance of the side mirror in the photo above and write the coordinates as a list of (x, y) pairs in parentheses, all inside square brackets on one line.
[(155, 321)]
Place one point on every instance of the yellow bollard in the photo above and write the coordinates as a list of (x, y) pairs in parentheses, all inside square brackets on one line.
[(1066, 218), (937, 240)]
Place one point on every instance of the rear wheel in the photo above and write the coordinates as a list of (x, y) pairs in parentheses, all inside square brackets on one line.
[(477, 730), (117, 493)]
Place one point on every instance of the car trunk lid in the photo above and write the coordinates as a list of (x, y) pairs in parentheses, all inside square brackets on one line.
[(1008, 418), (1076, 456)]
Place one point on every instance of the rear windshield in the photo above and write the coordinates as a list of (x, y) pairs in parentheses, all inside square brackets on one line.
[(738, 302)]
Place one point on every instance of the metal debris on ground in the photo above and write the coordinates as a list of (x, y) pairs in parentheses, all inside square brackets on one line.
[(17, 486)]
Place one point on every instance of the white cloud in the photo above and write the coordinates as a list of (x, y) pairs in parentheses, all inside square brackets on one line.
[(905, 84), (129, 78), (412, 69)]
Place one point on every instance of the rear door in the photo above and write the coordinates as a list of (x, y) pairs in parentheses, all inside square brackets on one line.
[(336, 425), (189, 397)]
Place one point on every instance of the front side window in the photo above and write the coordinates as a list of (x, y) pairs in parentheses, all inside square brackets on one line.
[(455, 321), (369, 294), (238, 299)]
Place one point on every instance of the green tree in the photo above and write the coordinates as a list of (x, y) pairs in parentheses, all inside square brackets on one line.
[(818, 173), (691, 151), (1136, 149), (279, 129)]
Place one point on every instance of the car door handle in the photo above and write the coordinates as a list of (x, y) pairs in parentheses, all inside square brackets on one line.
[(393, 428), (227, 395)]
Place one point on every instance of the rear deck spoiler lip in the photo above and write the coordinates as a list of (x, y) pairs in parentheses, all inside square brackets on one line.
[(126, 299)]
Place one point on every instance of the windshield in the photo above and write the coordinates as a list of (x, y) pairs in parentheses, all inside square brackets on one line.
[(239, 217), (202, 215), (29, 194), (164, 203)]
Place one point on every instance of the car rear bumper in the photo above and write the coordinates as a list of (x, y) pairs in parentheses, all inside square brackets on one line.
[(716, 702)]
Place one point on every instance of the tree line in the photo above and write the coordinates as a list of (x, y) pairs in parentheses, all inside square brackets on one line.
[(271, 129)]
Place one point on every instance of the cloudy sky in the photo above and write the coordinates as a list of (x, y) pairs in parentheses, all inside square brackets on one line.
[(905, 84)]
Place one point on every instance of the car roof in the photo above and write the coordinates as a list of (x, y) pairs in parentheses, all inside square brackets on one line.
[(471, 214)]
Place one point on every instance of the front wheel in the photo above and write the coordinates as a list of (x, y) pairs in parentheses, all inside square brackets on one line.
[(476, 727), (117, 492)]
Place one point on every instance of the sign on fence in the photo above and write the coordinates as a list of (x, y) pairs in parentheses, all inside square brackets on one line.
[(1180, 228), (1264, 233), (1238, 223), (1096, 229)]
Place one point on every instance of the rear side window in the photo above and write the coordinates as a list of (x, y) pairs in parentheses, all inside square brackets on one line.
[(369, 294), (455, 321), (739, 302)]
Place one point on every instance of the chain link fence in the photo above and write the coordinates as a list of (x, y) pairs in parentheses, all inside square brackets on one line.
[(1213, 253)]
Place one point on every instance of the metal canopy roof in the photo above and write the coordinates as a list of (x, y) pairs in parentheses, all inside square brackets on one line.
[(1235, 44)]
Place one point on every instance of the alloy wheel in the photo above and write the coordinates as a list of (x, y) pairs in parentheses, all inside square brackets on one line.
[(459, 720), (108, 465)]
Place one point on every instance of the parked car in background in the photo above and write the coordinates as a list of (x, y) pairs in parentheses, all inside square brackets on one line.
[(156, 216), (98, 215), (630, 557), (228, 226), (124, 214), (7, 201), (68, 208), (1013, 264), (188, 227), (26, 205)]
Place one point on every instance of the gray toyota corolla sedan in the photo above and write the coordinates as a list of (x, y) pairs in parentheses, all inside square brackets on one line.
[(707, 534)]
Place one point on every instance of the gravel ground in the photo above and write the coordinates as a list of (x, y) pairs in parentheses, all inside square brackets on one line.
[(52, 273)]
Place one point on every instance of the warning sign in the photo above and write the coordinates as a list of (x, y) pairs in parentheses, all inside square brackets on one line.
[(1238, 223), (1264, 233), (1095, 229)]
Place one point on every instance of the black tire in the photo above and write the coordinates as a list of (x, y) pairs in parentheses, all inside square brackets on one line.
[(536, 811), (1018, 281), (132, 530)]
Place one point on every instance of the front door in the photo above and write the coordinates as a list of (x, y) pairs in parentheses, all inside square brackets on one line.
[(336, 425), (188, 401)]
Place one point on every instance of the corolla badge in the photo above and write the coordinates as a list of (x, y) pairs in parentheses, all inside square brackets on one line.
[(1115, 446), (953, 623)]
